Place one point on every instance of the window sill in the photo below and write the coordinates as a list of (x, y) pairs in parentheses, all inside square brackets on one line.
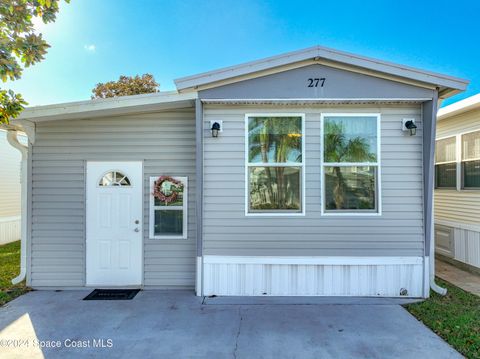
[(351, 214), (167, 237), (274, 214)]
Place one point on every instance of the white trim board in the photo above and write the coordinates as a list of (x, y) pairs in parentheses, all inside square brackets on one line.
[(340, 260), (453, 224)]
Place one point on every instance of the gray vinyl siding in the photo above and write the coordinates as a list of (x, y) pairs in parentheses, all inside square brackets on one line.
[(164, 141), (399, 231), (450, 204)]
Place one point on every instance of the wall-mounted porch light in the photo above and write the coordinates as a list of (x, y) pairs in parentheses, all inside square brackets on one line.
[(216, 127), (408, 124)]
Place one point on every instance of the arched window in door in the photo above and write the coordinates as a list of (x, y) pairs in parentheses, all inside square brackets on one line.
[(114, 178)]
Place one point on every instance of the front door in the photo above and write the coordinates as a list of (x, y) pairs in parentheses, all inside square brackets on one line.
[(114, 223)]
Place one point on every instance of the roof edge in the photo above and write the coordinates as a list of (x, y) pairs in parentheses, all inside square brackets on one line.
[(467, 104), (92, 107), (381, 66)]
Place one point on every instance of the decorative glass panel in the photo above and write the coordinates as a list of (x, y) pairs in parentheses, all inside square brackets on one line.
[(471, 146), (350, 188), (350, 139), (114, 178), (446, 150), (471, 174), (168, 223), (446, 175), (275, 188), (275, 139)]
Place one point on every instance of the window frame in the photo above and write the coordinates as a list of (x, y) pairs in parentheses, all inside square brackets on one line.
[(460, 165), (114, 171), (458, 156), (302, 165), (184, 208), (378, 180)]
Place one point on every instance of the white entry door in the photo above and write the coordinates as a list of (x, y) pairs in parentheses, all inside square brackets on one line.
[(114, 223)]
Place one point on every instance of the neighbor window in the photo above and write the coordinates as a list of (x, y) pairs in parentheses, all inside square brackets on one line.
[(275, 164), (446, 163), (350, 163), (168, 207), (471, 160)]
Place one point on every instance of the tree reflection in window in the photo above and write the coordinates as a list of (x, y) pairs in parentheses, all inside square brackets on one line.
[(350, 163), (275, 163), (114, 178)]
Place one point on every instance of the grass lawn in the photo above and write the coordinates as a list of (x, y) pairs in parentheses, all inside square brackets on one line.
[(455, 317), (9, 269)]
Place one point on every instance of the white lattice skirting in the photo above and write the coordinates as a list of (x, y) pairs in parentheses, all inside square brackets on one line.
[(9, 229), (313, 276)]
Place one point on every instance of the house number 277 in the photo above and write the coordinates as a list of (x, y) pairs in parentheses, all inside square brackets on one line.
[(316, 82)]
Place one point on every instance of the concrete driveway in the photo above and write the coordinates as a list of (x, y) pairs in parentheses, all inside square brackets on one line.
[(176, 324)]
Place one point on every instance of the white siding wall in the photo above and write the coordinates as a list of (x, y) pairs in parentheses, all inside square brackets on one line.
[(10, 159), (397, 232), (467, 246), (460, 210), (452, 205), (164, 141)]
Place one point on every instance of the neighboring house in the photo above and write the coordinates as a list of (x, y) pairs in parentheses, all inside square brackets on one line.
[(457, 183), (9, 190), (307, 173)]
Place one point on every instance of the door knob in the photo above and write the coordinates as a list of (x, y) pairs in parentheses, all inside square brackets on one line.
[(136, 230), (137, 221)]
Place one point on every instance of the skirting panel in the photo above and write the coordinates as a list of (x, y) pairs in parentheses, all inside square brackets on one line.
[(313, 276), (467, 246), (9, 229)]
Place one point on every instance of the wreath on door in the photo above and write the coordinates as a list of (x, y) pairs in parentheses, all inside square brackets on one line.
[(166, 189)]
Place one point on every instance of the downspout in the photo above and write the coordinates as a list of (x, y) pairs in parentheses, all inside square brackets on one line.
[(13, 141), (436, 103)]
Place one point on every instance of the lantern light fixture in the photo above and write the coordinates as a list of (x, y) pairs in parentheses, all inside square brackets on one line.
[(216, 127), (408, 124)]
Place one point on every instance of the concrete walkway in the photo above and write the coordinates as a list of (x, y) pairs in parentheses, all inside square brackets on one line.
[(462, 279), (176, 324)]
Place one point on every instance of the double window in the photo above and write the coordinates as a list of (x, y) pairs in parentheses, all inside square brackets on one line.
[(275, 164), (457, 161), (350, 163)]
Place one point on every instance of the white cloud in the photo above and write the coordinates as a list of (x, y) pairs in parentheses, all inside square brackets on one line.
[(89, 48)]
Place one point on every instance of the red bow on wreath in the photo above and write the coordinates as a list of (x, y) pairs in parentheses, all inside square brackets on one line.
[(158, 193)]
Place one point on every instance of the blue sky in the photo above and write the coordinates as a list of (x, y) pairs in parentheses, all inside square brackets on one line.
[(96, 41)]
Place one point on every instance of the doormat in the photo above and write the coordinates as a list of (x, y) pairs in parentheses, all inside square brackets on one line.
[(112, 294)]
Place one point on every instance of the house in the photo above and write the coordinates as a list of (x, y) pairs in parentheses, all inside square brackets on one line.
[(457, 183), (307, 173), (10, 160)]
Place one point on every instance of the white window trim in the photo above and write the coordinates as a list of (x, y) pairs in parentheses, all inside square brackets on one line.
[(184, 208), (377, 164), (459, 186), (302, 165), (460, 161), (458, 155)]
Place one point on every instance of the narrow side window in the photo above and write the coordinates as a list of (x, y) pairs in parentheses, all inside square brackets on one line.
[(446, 163), (168, 207), (471, 160)]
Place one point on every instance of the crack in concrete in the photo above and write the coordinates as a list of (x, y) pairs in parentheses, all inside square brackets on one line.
[(238, 333)]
